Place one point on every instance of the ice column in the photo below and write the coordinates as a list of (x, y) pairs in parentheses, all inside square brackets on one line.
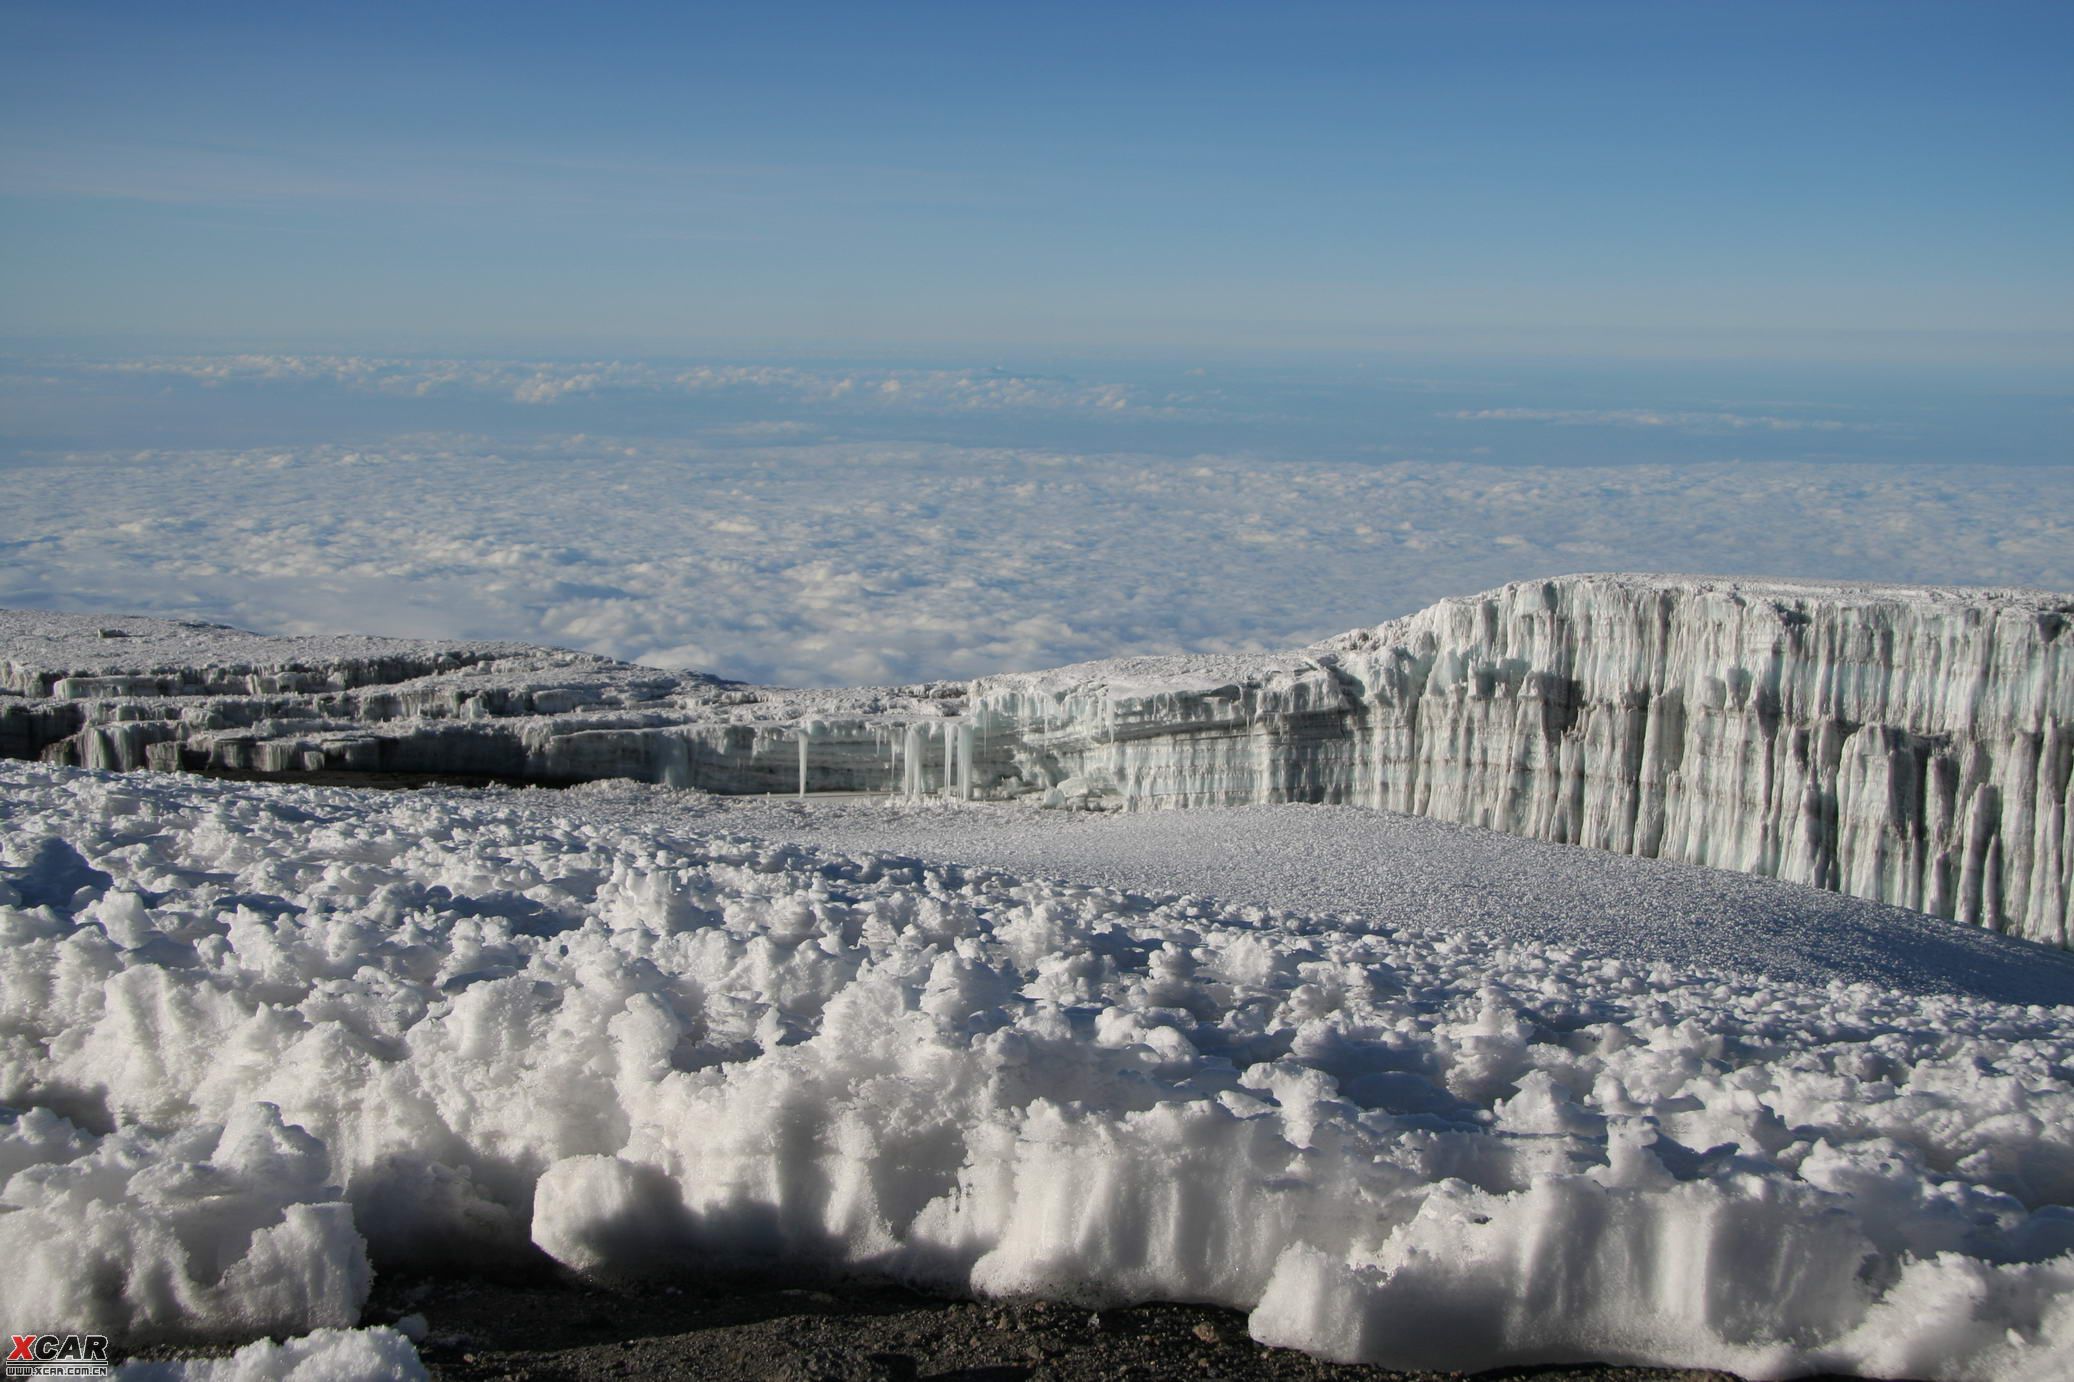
[(914, 770), (959, 743)]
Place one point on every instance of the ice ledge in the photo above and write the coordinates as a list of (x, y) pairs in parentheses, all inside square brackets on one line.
[(1903, 743)]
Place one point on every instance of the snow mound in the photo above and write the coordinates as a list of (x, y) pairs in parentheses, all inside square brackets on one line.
[(327, 1355), (225, 1230), (501, 1031)]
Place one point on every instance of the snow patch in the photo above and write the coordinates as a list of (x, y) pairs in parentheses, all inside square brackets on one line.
[(325, 1355)]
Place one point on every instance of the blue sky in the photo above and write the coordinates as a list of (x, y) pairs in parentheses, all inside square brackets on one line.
[(865, 342), (1836, 182)]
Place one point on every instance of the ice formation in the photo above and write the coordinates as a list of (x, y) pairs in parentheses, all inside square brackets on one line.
[(274, 1035), (1909, 745)]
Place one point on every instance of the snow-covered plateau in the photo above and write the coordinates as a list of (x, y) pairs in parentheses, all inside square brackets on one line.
[(261, 1041), (1905, 744)]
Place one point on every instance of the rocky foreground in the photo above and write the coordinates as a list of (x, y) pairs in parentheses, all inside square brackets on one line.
[(482, 1330)]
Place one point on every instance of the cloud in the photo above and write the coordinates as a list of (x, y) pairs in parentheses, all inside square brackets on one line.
[(830, 563), (548, 383), (1651, 417)]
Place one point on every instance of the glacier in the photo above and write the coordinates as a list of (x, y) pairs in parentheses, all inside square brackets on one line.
[(1904, 744)]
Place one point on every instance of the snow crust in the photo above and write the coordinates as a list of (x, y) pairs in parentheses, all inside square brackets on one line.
[(274, 1035), (1404, 870)]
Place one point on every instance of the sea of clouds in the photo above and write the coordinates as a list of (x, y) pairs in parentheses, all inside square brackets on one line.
[(816, 562), (822, 523)]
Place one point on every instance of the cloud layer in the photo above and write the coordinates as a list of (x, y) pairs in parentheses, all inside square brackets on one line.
[(827, 564), (1679, 420), (549, 382)]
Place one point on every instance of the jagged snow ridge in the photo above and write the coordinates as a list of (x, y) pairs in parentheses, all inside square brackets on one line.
[(483, 1028)]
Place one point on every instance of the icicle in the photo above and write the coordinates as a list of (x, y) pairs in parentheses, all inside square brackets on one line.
[(913, 768), (980, 728), (964, 736), (803, 733)]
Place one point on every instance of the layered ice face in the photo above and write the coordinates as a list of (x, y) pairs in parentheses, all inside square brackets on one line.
[(262, 1038), (1908, 745)]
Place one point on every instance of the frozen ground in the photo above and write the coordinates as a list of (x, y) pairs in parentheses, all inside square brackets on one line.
[(262, 1042)]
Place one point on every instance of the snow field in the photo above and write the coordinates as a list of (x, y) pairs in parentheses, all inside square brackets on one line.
[(260, 1042)]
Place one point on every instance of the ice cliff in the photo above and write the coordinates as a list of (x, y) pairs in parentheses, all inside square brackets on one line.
[(1908, 745), (1904, 744)]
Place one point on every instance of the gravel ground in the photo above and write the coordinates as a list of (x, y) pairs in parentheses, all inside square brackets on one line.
[(564, 1331)]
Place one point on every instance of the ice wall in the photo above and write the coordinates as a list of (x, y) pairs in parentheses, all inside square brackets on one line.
[(1907, 745), (129, 693)]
